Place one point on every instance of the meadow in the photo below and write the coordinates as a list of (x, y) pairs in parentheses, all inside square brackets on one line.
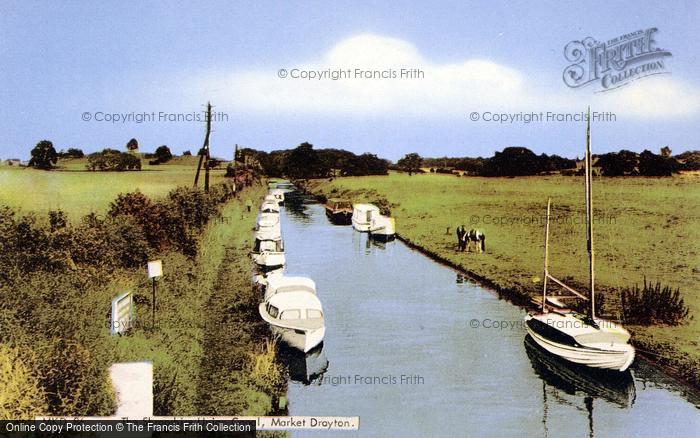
[(78, 192), (644, 228)]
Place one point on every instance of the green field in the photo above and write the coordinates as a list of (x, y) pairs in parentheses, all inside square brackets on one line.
[(77, 191), (646, 227)]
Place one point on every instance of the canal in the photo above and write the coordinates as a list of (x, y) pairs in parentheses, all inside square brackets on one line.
[(414, 349)]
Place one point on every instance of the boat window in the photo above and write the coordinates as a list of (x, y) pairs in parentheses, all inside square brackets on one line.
[(369, 215), (291, 314), (272, 310), (313, 313)]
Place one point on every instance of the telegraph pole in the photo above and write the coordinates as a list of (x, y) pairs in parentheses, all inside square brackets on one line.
[(204, 156)]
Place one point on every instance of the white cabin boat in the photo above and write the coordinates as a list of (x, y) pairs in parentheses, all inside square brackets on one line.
[(283, 284), (270, 198), (278, 194), (268, 226), (269, 253), (382, 228), (580, 339), (296, 317), (269, 207), (362, 215)]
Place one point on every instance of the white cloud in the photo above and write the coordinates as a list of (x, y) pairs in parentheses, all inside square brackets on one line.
[(447, 90)]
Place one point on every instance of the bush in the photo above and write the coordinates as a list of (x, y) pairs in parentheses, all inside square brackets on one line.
[(113, 160), (653, 304), (21, 396)]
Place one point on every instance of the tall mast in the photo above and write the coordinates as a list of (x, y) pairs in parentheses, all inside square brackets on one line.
[(545, 275), (589, 219)]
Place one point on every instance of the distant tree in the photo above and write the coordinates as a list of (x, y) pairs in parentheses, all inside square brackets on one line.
[(665, 151), (111, 159), (44, 155), (651, 164), (71, 153), (187, 154), (132, 145), (513, 161), (163, 154), (618, 164), (689, 160), (410, 163), (303, 162)]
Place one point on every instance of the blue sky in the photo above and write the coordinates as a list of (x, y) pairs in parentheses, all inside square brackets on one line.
[(61, 59)]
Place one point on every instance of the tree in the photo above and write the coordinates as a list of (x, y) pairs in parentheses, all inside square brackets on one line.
[(304, 162), (111, 159), (132, 145), (665, 151), (163, 154), (513, 161), (71, 153), (618, 164), (410, 163), (44, 155), (651, 164), (187, 154)]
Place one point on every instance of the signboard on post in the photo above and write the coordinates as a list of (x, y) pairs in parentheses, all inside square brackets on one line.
[(155, 269), (122, 313)]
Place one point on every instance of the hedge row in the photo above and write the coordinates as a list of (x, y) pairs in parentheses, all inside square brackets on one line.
[(54, 283)]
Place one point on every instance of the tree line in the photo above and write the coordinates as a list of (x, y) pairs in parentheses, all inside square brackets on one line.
[(305, 162), (520, 161)]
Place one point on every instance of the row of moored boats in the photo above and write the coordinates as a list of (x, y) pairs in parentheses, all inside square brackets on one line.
[(290, 304)]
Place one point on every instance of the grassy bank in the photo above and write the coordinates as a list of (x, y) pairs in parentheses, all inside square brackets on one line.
[(54, 309), (206, 317), (78, 192), (645, 227)]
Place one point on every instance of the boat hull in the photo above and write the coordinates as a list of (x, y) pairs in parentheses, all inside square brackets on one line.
[(618, 359), (339, 217), (302, 340), (382, 237)]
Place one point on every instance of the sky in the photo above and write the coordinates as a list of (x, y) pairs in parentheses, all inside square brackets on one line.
[(64, 62)]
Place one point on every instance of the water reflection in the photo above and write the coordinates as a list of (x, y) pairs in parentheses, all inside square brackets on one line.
[(295, 204), (616, 388), (308, 368)]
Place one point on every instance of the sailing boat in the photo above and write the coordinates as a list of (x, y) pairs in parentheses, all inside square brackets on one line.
[(581, 339)]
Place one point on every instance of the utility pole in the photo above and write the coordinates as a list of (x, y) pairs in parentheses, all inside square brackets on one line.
[(204, 156)]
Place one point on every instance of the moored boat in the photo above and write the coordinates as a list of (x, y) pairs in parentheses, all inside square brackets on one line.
[(362, 215), (267, 226), (269, 207), (581, 339), (296, 317), (269, 253), (339, 211)]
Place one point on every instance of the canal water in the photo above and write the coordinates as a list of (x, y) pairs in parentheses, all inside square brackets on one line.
[(414, 349)]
